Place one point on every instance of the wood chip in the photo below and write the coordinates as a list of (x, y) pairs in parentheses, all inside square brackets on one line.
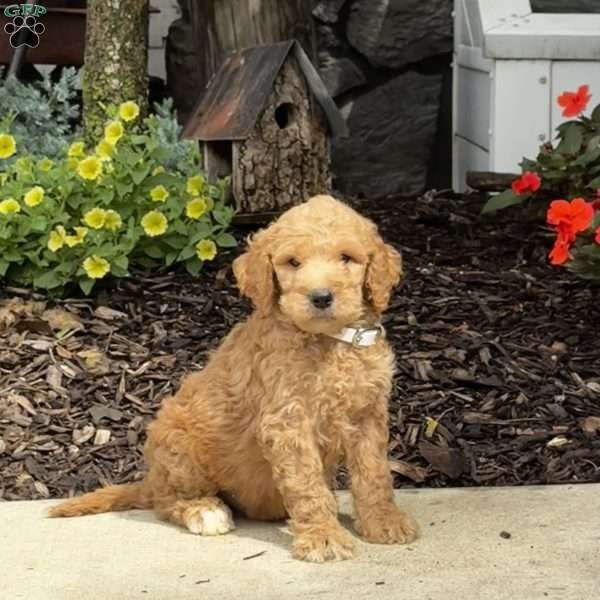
[(81, 436), (416, 473), (23, 402), (557, 442), (54, 377), (590, 425), (41, 489), (99, 412), (449, 461), (109, 314), (96, 362), (62, 320), (102, 437)]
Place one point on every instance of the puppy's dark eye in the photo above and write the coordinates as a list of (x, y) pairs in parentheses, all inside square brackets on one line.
[(346, 258), (294, 263)]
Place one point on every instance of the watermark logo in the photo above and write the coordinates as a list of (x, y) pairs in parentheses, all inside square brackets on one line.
[(24, 29)]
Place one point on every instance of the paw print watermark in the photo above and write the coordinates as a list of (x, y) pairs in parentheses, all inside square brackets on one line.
[(24, 31)]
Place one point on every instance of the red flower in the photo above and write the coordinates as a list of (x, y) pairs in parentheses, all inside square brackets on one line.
[(597, 238), (528, 182), (560, 253), (574, 103), (570, 217)]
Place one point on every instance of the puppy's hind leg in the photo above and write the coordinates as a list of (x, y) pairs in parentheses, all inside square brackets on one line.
[(204, 516), (184, 494)]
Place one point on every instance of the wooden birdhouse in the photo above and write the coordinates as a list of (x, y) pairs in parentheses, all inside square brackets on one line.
[(265, 120)]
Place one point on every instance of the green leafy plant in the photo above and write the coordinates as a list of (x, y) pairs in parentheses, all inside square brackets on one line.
[(97, 211), (41, 115), (565, 180), (570, 168)]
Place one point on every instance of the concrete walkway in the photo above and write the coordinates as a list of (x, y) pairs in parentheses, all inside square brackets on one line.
[(477, 544)]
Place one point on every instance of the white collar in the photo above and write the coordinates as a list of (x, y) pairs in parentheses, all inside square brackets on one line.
[(360, 337)]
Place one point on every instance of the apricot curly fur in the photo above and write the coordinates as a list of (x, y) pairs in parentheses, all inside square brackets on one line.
[(281, 404)]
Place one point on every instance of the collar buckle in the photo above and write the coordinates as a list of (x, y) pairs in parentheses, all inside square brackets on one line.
[(360, 333), (357, 338)]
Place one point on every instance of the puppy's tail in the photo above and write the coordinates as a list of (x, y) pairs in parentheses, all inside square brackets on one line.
[(110, 498)]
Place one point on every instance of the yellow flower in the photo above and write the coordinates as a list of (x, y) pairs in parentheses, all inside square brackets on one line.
[(34, 196), (90, 168), (113, 132), (154, 223), (158, 171), (8, 146), (76, 150), (95, 218), (206, 250), (9, 206), (74, 240), (113, 220), (195, 185), (57, 238), (96, 267), (72, 164), (159, 193), (45, 164), (104, 150), (128, 111), (195, 208)]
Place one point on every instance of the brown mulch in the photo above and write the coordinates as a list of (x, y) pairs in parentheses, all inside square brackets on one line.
[(498, 367)]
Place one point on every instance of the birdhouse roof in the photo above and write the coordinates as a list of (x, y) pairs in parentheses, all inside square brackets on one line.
[(238, 93)]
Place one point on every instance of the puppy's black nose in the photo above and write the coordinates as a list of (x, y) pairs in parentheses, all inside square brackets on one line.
[(321, 298)]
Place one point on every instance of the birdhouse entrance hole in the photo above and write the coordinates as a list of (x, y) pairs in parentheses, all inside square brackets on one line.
[(285, 114)]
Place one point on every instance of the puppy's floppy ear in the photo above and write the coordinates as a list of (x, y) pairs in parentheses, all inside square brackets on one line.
[(383, 273), (254, 273)]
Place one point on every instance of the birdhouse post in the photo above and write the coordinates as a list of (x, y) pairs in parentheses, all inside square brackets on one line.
[(265, 120)]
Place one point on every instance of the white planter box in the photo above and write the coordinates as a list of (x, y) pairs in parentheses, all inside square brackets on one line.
[(510, 65)]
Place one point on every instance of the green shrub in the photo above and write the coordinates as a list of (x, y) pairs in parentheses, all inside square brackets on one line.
[(98, 211), (40, 115), (565, 179)]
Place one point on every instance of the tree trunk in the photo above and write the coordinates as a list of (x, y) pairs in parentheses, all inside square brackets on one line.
[(220, 26), (116, 59)]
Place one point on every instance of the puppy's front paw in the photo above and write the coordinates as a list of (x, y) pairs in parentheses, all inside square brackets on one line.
[(388, 526), (331, 543)]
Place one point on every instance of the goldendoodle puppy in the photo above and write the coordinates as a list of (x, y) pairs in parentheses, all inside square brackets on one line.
[(300, 386)]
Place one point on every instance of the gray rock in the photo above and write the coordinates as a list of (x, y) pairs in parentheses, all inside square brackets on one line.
[(341, 67), (341, 75), (395, 33), (330, 41), (392, 132), (328, 10)]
